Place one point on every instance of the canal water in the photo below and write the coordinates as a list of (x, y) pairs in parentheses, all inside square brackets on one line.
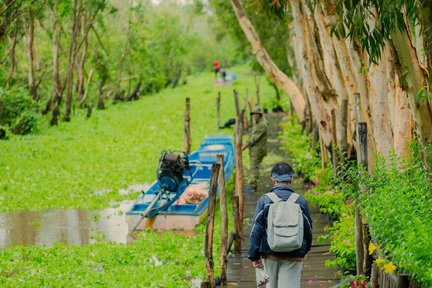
[(72, 226)]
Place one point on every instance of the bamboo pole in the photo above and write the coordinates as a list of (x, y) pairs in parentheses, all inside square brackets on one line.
[(224, 214), (257, 85), (358, 221), (363, 157), (236, 237), (244, 114), (208, 244), (239, 176), (344, 136), (218, 102), (335, 149), (187, 132)]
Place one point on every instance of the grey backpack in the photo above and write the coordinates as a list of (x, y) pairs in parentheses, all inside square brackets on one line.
[(284, 224)]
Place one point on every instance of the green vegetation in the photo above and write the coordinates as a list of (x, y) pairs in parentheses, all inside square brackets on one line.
[(62, 167), (397, 205), (398, 208), (65, 166), (298, 144)]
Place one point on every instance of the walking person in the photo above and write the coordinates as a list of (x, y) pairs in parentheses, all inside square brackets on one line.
[(257, 145), (284, 269), (216, 67)]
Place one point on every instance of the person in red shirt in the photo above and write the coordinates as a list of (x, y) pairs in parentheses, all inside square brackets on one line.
[(216, 67)]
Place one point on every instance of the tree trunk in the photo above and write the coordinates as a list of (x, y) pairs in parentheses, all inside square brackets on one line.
[(275, 74), (81, 68), (30, 56), (414, 82), (71, 61), (13, 42), (58, 88)]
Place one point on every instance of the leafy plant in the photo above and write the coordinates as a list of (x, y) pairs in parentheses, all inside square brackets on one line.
[(298, 145), (341, 235)]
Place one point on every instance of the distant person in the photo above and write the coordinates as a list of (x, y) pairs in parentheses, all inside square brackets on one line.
[(216, 67), (284, 269), (223, 74), (257, 145)]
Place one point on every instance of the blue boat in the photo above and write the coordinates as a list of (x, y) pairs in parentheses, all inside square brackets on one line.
[(178, 199)]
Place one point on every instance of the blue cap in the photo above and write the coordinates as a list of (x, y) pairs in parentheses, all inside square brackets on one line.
[(281, 178)]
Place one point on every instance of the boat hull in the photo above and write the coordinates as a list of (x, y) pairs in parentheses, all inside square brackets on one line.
[(181, 214)]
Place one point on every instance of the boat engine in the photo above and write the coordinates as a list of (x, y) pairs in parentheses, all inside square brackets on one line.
[(170, 170)]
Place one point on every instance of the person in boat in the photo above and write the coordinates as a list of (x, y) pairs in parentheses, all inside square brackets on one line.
[(284, 269), (257, 145)]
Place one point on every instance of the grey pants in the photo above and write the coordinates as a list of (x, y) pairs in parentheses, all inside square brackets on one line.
[(283, 273), (255, 162)]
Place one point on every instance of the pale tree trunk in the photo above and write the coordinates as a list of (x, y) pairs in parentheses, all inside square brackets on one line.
[(30, 56), (317, 92), (13, 41), (413, 81), (275, 74), (58, 89), (81, 65), (71, 61)]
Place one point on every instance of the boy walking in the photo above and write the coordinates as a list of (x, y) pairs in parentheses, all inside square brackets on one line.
[(283, 268)]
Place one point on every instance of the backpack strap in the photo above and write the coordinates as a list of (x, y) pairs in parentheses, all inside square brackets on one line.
[(273, 197), (293, 197)]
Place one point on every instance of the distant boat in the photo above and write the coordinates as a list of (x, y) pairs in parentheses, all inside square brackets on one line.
[(178, 199)]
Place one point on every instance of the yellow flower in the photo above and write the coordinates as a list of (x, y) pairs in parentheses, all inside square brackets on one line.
[(389, 268), (372, 248), (379, 261)]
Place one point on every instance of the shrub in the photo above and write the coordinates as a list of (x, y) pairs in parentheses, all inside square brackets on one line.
[(17, 110), (298, 144), (398, 208)]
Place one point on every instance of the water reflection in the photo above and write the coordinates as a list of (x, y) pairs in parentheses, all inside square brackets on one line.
[(64, 226)]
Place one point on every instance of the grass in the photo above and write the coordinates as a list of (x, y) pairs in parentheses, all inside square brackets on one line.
[(68, 166)]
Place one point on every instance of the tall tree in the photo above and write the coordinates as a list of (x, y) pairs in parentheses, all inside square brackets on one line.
[(267, 63)]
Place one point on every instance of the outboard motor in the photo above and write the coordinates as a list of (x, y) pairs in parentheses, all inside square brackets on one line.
[(170, 170)]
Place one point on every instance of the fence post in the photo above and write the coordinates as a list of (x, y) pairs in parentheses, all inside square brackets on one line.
[(344, 136), (239, 176), (358, 221), (208, 244), (224, 214), (218, 102), (334, 143), (187, 134)]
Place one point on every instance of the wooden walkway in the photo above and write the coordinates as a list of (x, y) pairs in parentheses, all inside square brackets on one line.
[(240, 272)]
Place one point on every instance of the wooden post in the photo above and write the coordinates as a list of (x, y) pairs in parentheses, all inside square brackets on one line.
[(357, 118), (224, 214), (334, 142), (358, 221), (315, 135), (324, 159), (374, 276), (363, 157), (218, 102), (251, 106), (237, 227), (187, 134), (208, 244), (244, 114), (239, 176), (257, 85), (358, 241), (402, 281), (344, 124)]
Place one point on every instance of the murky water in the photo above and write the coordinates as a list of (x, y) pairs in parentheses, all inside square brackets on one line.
[(64, 226)]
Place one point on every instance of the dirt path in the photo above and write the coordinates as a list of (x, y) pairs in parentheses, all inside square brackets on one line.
[(240, 271)]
